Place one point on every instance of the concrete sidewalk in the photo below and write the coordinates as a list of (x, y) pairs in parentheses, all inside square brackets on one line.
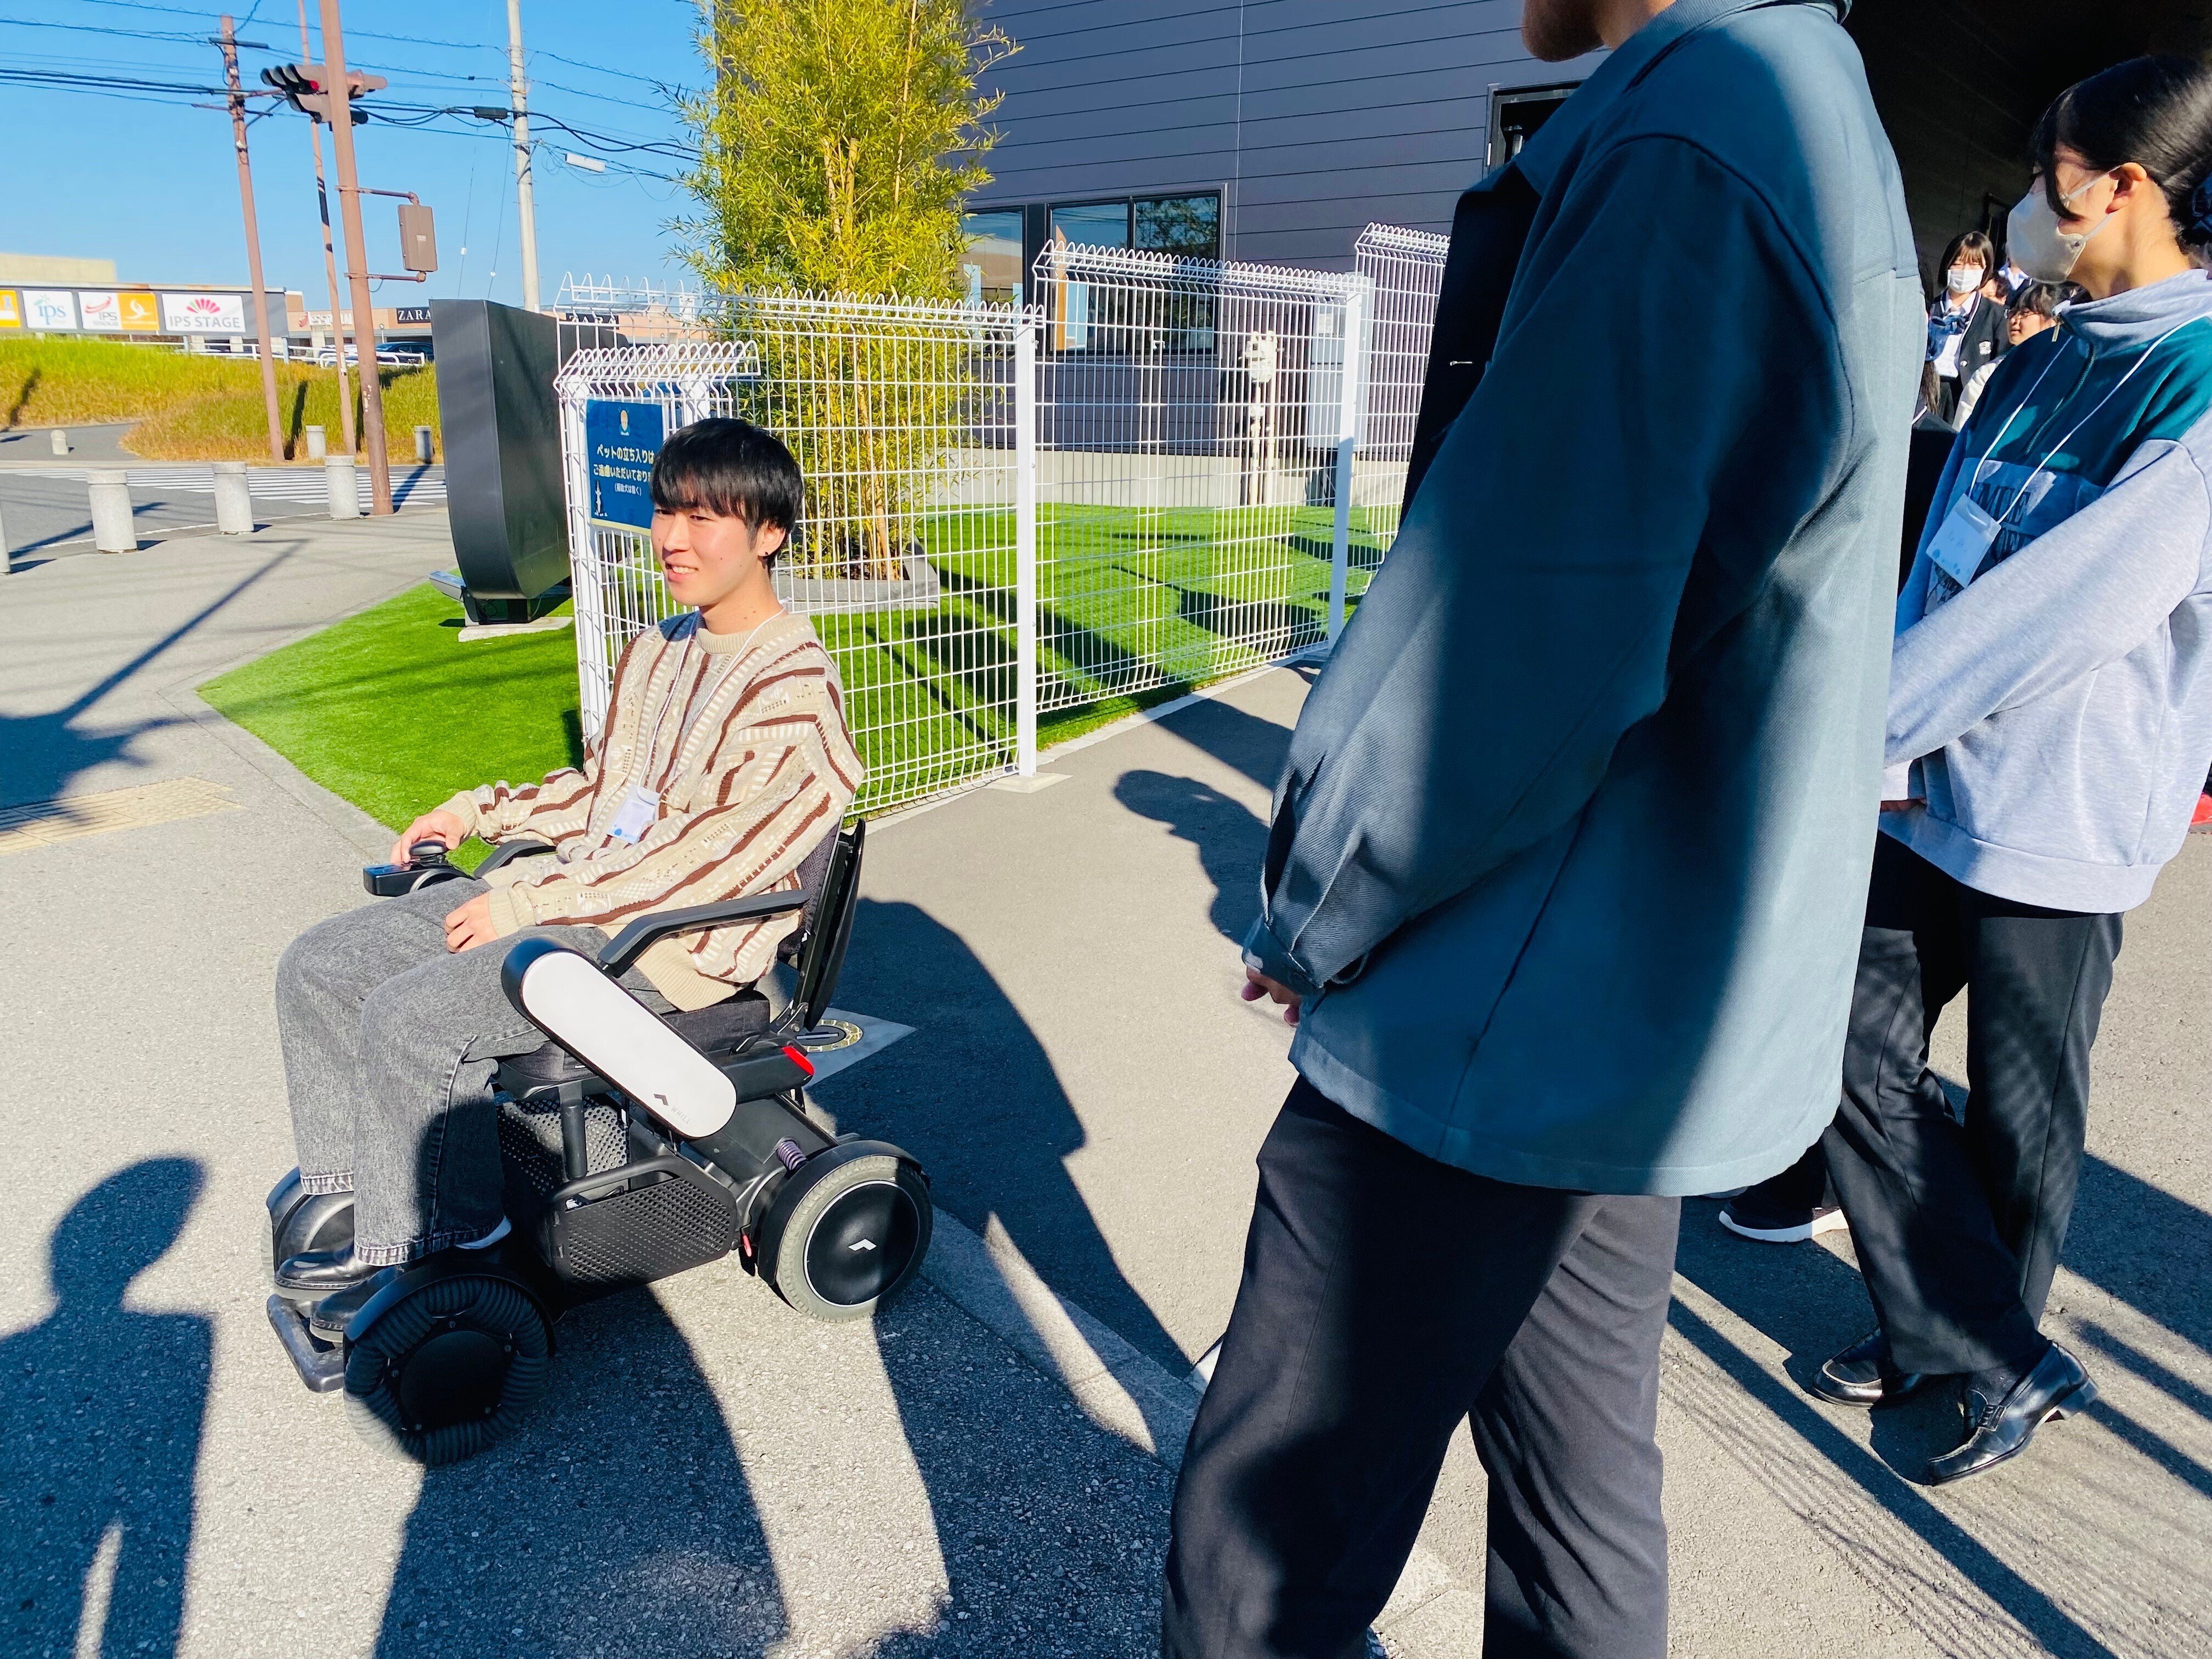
[(709, 1475)]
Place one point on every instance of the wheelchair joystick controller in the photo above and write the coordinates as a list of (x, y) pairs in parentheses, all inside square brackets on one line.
[(426, 865)]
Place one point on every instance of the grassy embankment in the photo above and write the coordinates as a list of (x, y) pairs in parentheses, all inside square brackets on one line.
[(197, 409)]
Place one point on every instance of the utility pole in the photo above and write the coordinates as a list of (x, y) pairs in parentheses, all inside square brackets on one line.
[(526, 204), (330, 255), (228, 42), (364, 319)]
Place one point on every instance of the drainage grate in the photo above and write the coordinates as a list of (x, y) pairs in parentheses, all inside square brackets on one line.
[(44, 823)]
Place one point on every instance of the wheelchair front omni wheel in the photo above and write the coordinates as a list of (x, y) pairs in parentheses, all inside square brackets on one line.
[(444, 1362), (847, 1230)]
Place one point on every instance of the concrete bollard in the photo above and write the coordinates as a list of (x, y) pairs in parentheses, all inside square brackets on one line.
[(339, 486), (233, 499), (60, 441), (318, 445), (422, 449), (6, 562), (113, 528)]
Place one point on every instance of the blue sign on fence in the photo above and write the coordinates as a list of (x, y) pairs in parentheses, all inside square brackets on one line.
[(620, 442)]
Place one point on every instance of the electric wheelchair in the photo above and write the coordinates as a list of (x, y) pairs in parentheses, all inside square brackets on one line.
[(634, 1146)]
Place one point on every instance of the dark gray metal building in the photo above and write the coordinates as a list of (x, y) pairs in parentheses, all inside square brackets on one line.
[(1272, 130)]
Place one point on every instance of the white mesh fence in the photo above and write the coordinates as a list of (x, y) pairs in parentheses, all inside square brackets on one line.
[(1404, 268), (1190, 420), (901, 415), (1164, 471)]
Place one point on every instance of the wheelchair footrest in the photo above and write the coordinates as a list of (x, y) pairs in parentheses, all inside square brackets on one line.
[(321, 1364)]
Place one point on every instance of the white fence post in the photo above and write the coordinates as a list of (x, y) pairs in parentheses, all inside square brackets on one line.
[(1355, 365), (1025, 546)]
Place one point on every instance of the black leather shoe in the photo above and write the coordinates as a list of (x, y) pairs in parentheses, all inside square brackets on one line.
[(2056, 1386), (315, 1275), (329, 1317), (1865, 1375)]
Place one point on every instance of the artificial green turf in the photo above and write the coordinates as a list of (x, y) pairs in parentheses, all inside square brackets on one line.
[(390, 711)]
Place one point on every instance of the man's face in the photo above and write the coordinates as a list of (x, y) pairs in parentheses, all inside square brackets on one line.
[(705, 555), (1556, 30)]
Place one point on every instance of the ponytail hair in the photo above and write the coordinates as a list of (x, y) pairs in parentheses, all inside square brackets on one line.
[(2154, 112)]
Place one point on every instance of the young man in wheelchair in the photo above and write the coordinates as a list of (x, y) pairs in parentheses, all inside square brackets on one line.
[(723, 761)]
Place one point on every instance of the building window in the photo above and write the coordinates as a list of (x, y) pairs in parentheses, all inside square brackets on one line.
[(1516, 112), (1188, 227), (993, 263)]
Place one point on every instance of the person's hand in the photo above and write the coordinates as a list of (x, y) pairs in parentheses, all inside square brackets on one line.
[(1903, 805), (1257, 985), (470, 926), (439, 825)]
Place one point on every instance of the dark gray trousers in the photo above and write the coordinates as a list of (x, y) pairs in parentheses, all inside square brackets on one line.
[(1958, 1228), (390, 1044), (1385, 1297)]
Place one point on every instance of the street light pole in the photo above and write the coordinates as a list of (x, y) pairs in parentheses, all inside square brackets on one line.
[(356, 239), (330, 255), (526, 204), (228, 42)]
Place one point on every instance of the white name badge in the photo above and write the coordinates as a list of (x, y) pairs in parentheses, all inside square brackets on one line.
[(1962, 541), (639, 811)]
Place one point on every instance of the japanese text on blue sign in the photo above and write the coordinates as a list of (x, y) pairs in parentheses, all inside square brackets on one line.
[(620, 442)]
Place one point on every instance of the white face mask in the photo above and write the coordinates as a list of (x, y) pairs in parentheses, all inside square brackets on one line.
[(2033, 240), (1963, 279)]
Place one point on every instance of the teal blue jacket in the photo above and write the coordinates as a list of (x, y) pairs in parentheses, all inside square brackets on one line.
[(2054, 714), (1570, 848)]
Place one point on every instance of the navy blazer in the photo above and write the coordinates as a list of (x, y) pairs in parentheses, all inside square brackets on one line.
[(1571, 850)]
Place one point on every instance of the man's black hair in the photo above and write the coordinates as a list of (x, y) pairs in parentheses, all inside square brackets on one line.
[(731, 467)]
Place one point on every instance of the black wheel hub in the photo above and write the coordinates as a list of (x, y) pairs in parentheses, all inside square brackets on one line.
[(861, 1243), (452, 1376)]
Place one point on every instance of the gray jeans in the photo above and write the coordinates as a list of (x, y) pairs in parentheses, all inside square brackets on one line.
[(390, 1043)]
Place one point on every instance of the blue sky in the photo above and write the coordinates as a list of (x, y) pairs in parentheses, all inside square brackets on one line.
[(151, 184)]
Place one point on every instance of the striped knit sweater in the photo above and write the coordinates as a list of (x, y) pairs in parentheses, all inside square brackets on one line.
[(745, 740)]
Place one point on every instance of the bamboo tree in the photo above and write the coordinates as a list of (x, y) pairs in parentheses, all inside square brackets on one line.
[(837, 145)]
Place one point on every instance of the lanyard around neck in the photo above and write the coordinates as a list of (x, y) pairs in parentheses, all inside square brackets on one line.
[(2052, 455)]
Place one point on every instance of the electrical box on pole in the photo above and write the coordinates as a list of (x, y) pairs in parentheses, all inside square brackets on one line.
[(419, 238)]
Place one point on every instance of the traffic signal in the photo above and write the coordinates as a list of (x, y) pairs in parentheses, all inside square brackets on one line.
[(306, 89)]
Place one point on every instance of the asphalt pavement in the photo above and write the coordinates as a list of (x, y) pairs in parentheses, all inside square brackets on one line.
[(985, 1470)]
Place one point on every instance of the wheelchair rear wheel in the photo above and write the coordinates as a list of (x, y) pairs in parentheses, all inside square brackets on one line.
[(439, 1370), (847, 1232)]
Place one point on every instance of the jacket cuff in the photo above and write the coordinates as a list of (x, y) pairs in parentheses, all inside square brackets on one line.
[(510, 910), (1264, 954), (463, 807)]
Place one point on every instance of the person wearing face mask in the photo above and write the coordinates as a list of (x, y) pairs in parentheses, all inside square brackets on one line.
[(2050, 723), (2032, 308), (1966, 327)]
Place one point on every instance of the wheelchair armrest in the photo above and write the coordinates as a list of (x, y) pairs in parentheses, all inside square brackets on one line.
[(507, 852), (627, 946)]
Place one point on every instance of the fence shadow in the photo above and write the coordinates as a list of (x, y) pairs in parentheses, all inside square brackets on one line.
[(619, 1522), (100, 1432)]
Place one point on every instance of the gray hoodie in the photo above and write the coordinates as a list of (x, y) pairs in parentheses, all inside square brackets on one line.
[(2056, 714)]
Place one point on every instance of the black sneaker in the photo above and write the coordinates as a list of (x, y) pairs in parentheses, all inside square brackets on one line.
[(1749, 1219)]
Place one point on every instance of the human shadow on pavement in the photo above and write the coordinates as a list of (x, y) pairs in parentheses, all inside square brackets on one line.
[(1229, 840), (100, 1432), (619, 1520), (973, 1095), (1250, 744)]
